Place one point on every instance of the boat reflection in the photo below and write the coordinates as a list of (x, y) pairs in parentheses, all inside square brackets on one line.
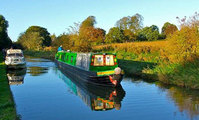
[(16, 76), (98, 98)]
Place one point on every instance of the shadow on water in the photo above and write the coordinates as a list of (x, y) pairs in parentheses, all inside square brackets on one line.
[(134, 68), (16, 76), (97, 98)]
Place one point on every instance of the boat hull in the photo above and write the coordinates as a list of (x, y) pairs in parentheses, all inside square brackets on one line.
[(88, 77), (16, 66)]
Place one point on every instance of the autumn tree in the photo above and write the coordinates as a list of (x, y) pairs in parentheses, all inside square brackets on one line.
[(183, 45), (35, 38), (88, 35), (64, 40), (168, 29), (88, 22), (5, 41), (115, 35)]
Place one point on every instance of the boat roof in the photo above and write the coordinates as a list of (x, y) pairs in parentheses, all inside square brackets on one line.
[(88, 53), (14, 51)]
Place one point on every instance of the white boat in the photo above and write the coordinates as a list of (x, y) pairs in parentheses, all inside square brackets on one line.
[(15, 59)]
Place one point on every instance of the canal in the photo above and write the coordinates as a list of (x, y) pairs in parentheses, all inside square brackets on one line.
[(45, 93)]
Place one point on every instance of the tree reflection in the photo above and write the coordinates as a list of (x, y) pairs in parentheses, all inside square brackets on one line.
[(36, 71), (187, 100)]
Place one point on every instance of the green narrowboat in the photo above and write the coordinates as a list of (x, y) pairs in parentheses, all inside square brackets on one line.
[(95, 68)]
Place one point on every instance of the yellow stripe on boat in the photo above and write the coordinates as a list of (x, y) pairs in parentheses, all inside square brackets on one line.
[(105, 73)]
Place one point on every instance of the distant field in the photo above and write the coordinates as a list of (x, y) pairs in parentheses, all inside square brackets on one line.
[(135, 47)]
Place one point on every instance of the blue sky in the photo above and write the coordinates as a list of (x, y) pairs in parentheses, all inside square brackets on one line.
[(58, 15)]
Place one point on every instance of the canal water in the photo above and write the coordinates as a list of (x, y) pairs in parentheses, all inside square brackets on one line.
[(43, 92)]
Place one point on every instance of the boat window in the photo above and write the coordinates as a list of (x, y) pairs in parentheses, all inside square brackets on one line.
[(109, 60), (67, 58), (62, 57), (71, 59), (19, 54), (98, 60), (10, 55)]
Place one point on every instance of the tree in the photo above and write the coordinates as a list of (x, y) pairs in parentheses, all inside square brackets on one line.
[(93, 35), (133, 23), (87, 35), (5, 41), (42, 32), (149, 33), (64, 40), (35, 38), (168, 29), (130, 26), (53, 37), (88, 22), (115, 35)]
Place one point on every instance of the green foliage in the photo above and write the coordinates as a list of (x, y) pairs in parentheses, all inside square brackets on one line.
[(40, 54), (115, 35), (148, 34), (132, 23), (182, 75), (130, 26), (35, 38), (5, 41)]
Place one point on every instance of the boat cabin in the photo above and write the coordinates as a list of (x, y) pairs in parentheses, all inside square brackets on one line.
[(15, 58), (102, 63)]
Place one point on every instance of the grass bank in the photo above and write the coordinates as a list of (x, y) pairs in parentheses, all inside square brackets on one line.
[(7, 105), (40, 54)]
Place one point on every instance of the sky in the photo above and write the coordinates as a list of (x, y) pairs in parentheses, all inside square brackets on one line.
[(58, 15)]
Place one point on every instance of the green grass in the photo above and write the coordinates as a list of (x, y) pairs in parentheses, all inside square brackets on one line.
[(7, 105), (185, 75), (40, 54), (135, 68)]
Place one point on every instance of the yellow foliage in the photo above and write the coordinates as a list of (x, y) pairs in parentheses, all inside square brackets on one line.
[(133, 47), (183, 46), (48, 48)]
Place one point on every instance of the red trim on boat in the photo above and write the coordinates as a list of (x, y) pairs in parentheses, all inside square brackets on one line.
[(113, 81)]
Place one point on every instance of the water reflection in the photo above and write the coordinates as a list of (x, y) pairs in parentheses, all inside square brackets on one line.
[(16, 76), (186, 100), (97, 98), (36, 71)]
